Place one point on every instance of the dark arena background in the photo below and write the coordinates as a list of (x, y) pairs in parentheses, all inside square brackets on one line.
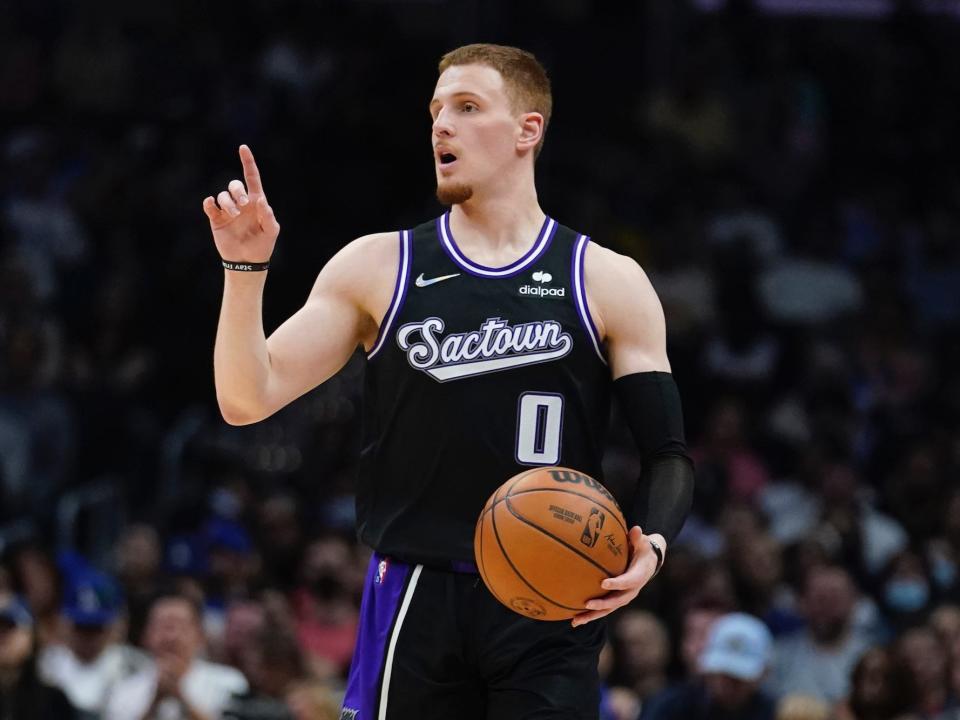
[(786, 171)]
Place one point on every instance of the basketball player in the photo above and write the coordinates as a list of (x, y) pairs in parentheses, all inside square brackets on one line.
[(494, 337)]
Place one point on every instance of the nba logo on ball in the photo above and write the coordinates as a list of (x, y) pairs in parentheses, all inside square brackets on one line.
[(381, 573), (591, 533)]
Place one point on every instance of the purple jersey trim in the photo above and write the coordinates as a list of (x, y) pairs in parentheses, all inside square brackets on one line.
[(542, 244), (580, 294), (399, 290), (383, 594)]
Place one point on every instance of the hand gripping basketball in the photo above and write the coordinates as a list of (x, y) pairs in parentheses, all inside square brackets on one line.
[(243, 224), (625, 587)]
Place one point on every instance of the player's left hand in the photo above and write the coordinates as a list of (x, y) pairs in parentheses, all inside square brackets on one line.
[(624, 588)]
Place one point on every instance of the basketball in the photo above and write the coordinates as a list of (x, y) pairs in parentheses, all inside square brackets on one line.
[(546, 539)]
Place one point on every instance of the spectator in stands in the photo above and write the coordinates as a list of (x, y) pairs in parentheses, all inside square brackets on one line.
[(858, 535), (138, 556), (233, 562), (946, 621), (177, 684), (818, 660), (697, 622), (944, 552), (90, 662), (36, 577), (642, 648), (881, 688), (281, 540), (273, 663), (954, 649), (907, 594), (324, 606), (244, 618), (726, 460), (927, 662), (733, 664), (22, 693), (232, 565), (758, 573), (617, 702)]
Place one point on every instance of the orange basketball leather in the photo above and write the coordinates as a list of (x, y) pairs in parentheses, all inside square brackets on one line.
[(546, 539)]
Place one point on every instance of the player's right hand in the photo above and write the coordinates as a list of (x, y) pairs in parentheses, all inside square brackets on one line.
[(244, 227)]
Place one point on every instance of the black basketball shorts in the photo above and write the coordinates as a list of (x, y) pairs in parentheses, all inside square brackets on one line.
[(434, 643)]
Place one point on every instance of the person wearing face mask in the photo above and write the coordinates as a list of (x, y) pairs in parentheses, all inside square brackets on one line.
[(943, 553), (906, 593), (326, 615)]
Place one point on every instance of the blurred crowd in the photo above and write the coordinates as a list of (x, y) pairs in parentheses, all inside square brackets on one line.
[(789, 184)]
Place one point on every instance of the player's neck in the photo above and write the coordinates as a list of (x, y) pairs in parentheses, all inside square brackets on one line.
[(502, 223)]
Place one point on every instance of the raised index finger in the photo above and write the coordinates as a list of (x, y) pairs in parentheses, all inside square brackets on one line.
[(250, 172)]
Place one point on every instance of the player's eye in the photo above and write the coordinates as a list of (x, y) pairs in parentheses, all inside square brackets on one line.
[(469, 107)]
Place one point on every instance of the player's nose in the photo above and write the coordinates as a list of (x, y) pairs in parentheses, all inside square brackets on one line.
[(442, 125)]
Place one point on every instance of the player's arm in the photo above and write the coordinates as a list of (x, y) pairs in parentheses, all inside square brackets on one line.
[(256, 376), (630, 319)]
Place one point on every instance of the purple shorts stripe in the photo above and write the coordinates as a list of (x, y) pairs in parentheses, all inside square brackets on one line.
[(383, 593)]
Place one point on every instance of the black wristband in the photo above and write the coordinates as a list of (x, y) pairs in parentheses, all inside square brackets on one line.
[(658, 551), (245, 266)]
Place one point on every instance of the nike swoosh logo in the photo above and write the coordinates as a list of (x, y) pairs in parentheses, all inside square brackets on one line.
[(420, 282)]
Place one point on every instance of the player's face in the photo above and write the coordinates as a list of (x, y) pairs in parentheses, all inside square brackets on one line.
[(475, 131)]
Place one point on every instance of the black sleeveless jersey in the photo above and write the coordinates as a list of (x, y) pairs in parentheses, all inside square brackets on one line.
[(478, 373)]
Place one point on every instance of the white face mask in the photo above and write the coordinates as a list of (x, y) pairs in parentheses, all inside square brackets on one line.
[(944, 572), (907, 596)]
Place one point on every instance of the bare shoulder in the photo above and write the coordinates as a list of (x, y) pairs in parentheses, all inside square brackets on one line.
[(362, 266), (360, 279), (626, 310), (368, 253), (606, 263), (616, 283)]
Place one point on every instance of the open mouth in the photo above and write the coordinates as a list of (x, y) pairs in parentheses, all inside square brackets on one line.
[(447, 158)]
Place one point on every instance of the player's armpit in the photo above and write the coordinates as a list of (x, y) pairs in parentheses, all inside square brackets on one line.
[(627, 312)]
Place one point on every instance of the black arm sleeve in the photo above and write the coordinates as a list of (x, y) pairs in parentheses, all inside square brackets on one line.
[(650, 403)]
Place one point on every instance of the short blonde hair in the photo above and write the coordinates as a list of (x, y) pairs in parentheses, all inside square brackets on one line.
[(526, 82)]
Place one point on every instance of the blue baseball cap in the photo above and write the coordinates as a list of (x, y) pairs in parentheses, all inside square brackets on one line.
[(228, 535), (187, 555), (91, 599), (739, 645), (15, 611)]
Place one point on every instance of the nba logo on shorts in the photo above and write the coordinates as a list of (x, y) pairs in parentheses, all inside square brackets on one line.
[(381, 573)]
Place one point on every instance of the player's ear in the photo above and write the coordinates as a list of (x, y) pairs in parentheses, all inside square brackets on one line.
[(531, 130)]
